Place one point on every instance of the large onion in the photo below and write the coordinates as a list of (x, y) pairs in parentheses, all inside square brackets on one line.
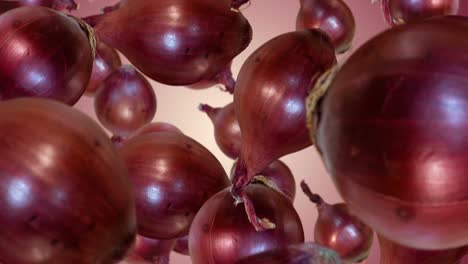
[(65, 194), (392, 133)]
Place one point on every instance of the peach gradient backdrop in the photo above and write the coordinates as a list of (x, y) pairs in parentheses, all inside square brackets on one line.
[(178, 105)]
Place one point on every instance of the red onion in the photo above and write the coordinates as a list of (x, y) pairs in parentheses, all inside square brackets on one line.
[(398, 12), (106, 61), (65, 192), (180, 42), (6, 5), (392, 133), (181, 246), (332, 16), (55, 63), (152, 250), (125, 101), (222, 234), (149, 128), (391, 253), (270, 101), (308, 253), (226, 128), (172, 176), (338, 229)]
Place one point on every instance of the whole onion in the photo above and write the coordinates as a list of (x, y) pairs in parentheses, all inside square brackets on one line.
[(392, 133), (181, 246), (397, 12), (172, 177), (106, 61), (331, 16), (222, 234), (125, 101), (44, 54), (177, 42), (269, 101), (308, 253), (6, 5), (65, 194)]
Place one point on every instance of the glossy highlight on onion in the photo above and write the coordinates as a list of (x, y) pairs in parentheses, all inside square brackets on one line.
[(106, 61), (172, 177), (177, 42), (391, 131), (222, 234), (65, 191), (332, 17), (269, 101), (61, 5), (44, 54)]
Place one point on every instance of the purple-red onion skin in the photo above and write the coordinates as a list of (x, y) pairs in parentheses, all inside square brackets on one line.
[(270, 94), (106, 61), (172, 177), (125, 101), (397, 12), (176, 42), (157, 127), (153, 250), (181, 246), (44, 54), (332, 17), (221, 232), (391, 253), (307, 253), (392, 133), (61, 5), (65, 194)]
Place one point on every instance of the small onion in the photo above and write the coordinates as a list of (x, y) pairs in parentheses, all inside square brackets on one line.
[(106, 61), (61, 5)]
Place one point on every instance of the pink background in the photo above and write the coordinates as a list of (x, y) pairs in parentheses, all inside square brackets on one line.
[(178, 105)]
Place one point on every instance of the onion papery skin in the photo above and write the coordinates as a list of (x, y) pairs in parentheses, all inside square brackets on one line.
[(181, 246), (65, 194), (177, 42), (172, 177), (221, 232), (60, 5), (332, 17), (392, 253), (44, 54), (397, 12), (106, 61), (391, 133), (270, 94), (125, 101), (308, 253)]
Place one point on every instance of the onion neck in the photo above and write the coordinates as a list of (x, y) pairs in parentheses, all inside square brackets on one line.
[(313, 197), (236, 4), (210, 111)]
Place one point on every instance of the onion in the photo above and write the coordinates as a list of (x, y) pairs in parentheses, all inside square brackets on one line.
[(151, 250), (338, 229), (65, 193), (221, 234), (308, 253), (226, 128), (44, 54), (125, 101), (6, 5), (172, 176), (392, 133), (180, 42), (397, 12), (391, 253), (332, 16), (181, 246), (106, 61), (270, 102), (149, 128)]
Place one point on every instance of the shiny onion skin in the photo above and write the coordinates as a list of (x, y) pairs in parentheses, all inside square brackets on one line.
[(44, 54), (177, 42), (392, 253), (125, 101), (397, 12), (269, 101), (149, 128), (338, 229), (61, 5), (392, 133), (332, 17), (226, 128), (153, 251), (307, 253), (172, 177), (222, 234), (106, 61), (64, 191), (181, 246)]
